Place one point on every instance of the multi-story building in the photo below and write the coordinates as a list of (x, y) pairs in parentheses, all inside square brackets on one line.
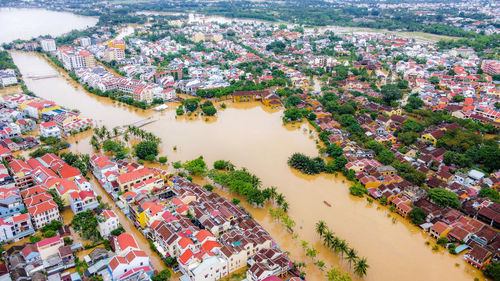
[(50, 129), (108, 221), (10, 202), (114, 54), (119, 44), (48, 45), (81, 201), (42, 209), (129, 180), (129, 259), (491, 66), (76, 59), (15, 227)]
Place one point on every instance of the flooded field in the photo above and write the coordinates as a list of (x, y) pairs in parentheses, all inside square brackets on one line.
[(252, 136)]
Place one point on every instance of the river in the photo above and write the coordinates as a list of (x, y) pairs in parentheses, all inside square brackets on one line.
[(23, 23), (253, 136)]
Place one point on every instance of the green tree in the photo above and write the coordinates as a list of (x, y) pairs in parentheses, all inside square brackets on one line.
[(489, 193), (145, 148), (163, 275), (321, 228), (493, 270), (361, 267), (417, 216), (391, 92), (196, 167), (386, 157), (209, 110), (444, 198), (334, 150)]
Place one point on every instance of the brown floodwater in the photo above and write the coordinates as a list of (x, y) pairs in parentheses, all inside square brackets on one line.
[(253, 136)]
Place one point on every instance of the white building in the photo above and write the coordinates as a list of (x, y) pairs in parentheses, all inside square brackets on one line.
[(108, 222), (50, 129), (48, 45)]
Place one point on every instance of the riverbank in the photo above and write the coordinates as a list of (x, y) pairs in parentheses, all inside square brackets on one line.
[(251, 137)]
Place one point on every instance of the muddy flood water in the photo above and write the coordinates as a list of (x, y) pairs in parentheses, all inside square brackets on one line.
[(253, 136)]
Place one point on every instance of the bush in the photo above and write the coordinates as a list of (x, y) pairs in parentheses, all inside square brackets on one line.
[(236, 201), (150, 158), (208, 187), (162, 159), (177, 165)]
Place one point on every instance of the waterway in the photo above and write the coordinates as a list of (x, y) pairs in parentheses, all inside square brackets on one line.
[(253, 136), (23, 23)]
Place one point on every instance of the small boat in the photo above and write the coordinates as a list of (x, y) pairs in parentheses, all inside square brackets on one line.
[(326, 203)]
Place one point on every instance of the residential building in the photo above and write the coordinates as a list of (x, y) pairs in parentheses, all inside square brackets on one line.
[(48, 45), (50, 129), (108, 221)]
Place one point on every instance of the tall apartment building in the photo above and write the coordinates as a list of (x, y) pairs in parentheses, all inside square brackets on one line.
[(48, 45), (76, 59), (491, 66)]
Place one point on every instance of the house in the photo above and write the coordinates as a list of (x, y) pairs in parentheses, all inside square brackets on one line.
[(50, 129), (15, 227), (10, 201), (108, 221), (439, 229), (81, 201), (478, 256), (432, 137), (42, 209), (128, 180), (49, 246)]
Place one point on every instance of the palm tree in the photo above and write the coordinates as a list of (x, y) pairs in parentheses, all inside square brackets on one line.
[(333, 274), (343, 247), (285, 206), (321, 228), (335, 244), (280, 199), (304, 244), (115, 131), (328, 238), (352, 256), (273, 192), (361, 267), (126, 137)]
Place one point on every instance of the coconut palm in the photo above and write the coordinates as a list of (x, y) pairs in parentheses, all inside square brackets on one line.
[(343, 248), (333, 274), (284, 206), (126, 137), (273, 191), (321, 228), (352, 256), (115, 131), (304, 244), (280, 199), (328, 238), (361, 267), (335, 244)]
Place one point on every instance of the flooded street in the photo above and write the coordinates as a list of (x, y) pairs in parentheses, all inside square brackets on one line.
[(253, 137)]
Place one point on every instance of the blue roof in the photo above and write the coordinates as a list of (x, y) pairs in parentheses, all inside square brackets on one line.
[(461, 248)]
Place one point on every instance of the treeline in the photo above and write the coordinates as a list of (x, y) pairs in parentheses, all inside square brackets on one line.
[(6, 61), (479, 43)]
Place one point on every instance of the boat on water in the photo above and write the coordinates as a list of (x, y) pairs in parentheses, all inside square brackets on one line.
[(160, 107), (326, 203)]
